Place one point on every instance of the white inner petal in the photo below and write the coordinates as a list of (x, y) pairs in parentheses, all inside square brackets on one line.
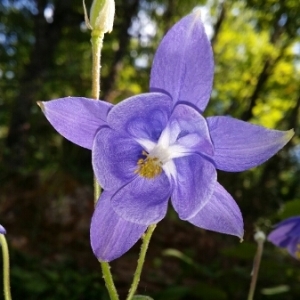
[(167, 148), (161, 153), (170, 169), (163, 150), (177, 150), (146, 144), (164, 139)]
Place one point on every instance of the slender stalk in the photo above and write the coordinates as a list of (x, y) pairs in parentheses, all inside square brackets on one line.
[(97, 43), (5, 255), (260, 247), (109, 283), (141, 260)]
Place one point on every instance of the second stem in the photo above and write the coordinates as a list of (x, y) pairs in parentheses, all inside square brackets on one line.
[(138, 271)]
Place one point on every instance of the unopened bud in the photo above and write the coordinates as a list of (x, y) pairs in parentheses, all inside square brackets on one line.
[(102, 15), (259, 236)]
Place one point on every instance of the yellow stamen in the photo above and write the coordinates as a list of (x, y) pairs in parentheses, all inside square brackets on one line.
[(149, 167)]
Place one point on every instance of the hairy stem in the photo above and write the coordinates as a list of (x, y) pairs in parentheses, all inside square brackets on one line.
[(138, 271), (109, 283), (97, 42)]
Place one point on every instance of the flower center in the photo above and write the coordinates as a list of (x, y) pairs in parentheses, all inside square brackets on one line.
[(149, 167)]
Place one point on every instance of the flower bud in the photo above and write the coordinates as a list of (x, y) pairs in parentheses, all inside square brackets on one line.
[(102, 15), (259, 236)]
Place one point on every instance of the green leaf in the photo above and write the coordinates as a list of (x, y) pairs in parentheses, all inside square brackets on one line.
[(205, 291), (243, 250), (174, 293), (142, 297), (275, 290), (189, 261), (290, 209), (178, 254)]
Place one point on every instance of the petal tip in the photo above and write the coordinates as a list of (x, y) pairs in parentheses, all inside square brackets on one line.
[(241, 236), (196, 12), (289, 134), (41, 105)]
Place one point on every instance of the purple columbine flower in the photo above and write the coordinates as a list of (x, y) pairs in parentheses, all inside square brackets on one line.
[(287, 235), (2, 230), (157, 146)]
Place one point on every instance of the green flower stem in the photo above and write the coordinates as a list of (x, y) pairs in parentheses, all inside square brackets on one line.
[(138, 271), (256, 265), (97, 43), (113, 294), (5, 255)]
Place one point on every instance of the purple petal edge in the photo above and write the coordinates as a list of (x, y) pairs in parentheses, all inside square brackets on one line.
[(284, 231), (2, 230)]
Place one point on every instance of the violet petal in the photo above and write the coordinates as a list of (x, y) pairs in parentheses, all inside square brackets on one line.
[(183, 64), (294, 247), (143, 201), (76, 118), (194, 185), (240, 145), (143, 116), (188, 131), (2, 230), (284, 231), (220, 214), (114, 158), (111, 236)]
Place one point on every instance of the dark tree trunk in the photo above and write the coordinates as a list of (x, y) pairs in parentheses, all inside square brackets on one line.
[(47, 37), (218, 25)]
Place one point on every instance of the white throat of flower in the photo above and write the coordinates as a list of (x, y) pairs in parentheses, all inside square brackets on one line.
[(159, 156)]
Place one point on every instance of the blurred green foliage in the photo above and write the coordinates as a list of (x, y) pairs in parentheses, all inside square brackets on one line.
[(45, 198), (60, 281)]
